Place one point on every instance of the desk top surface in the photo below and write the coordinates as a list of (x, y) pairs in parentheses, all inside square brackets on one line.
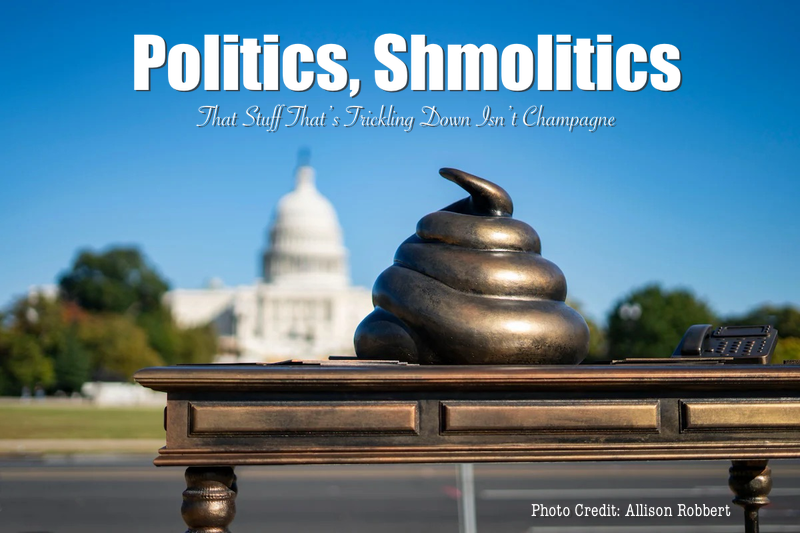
[(361, 376)]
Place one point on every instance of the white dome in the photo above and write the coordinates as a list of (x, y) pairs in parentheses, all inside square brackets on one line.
[(305, 238)]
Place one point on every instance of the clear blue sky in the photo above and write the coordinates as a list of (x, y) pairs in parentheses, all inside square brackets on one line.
[(696, 188)]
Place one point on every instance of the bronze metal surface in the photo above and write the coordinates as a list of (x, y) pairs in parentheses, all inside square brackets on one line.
[(302, 417), (209, 501), (731, 415), (360, 413), (246, 378), (751, 483), (471, 287), (549, 415), (273, 414)]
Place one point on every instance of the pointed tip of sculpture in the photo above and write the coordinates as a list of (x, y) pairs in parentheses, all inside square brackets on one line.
[(486, 198)]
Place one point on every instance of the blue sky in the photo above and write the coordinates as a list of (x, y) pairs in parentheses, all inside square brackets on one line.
[(695, 188)]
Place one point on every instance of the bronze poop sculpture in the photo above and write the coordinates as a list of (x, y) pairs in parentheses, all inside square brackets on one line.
[(470, 287)]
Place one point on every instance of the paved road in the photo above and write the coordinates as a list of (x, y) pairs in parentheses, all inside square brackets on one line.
[(131, 496)]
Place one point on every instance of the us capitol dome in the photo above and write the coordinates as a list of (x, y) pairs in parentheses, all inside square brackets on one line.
[(303, 306)]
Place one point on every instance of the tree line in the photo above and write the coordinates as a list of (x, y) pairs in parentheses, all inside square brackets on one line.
[(650, 322), (107, 321)]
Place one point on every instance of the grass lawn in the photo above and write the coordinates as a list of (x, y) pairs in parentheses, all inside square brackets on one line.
[(79, 422)]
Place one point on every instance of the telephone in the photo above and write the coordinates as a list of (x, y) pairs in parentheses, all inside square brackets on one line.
[(702, 344), (745, 344)]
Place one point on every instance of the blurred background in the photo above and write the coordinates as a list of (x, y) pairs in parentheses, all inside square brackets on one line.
[(131, 237)]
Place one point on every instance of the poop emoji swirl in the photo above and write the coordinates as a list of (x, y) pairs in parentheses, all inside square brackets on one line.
[(470, 287)]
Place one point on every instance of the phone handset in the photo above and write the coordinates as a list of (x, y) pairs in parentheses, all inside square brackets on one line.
[(693, 340)]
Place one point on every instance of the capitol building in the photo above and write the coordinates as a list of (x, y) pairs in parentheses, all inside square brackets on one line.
[(303, 306)]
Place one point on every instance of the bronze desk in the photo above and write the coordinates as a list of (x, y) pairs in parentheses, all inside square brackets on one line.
[(219, 416)]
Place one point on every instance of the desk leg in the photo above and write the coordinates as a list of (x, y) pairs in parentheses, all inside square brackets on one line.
[(209, 499), (751, 482)]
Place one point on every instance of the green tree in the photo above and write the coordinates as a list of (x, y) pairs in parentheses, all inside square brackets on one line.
[(108, 323), (119, 280), (788, 348), (198, 345), (177, 345), (163, 335), (33, 334), (597, 336), (72, 363), (42, 317), (122, 281), (118, 347), (786, 319), (8, 385), (650, 321), (24, 364), (53, 324)]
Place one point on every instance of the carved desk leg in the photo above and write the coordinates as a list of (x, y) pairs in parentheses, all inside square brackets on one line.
[(751, 482), (209, 499)]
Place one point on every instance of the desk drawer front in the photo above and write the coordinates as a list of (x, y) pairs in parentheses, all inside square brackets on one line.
[(550, 416), (733, 415), (308, 418)]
